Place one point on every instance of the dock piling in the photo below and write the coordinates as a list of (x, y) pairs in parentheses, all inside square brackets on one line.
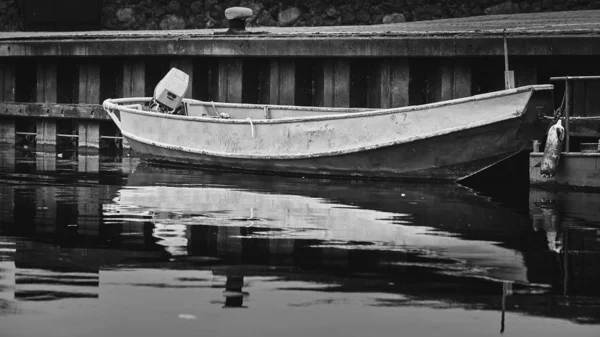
[(336, 83), (89, 92), (392, 81), (230, 80), (282, 78)]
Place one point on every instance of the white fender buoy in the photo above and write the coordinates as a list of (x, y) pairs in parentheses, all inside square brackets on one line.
[(552, 150)]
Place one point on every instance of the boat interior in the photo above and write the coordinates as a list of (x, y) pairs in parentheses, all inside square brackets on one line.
[(256, 111)]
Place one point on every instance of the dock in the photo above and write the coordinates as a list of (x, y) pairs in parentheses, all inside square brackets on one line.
[(52, 83)]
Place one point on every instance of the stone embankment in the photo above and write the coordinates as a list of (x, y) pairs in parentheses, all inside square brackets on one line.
[(199, 14)]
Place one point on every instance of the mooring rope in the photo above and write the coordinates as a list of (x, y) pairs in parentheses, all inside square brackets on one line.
[(251, 126)]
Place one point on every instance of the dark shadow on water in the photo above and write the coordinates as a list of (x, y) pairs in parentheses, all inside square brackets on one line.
[(441, 246)]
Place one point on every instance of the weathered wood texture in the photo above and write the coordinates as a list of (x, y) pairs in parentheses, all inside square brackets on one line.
[(584, 127), (7, 94), (89, 133), (45, 132), (309, 46), (453, 80), (7, 82), (392, 79), (54, 110), (333, 87), (46, 83), (132, 83), (89, 83), (230, 80), (282, 81), (575, 169)]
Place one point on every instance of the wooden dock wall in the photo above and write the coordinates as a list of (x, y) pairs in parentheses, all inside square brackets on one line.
[(52, 84)]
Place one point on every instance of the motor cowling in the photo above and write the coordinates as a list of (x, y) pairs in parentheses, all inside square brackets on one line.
[(169, 93)]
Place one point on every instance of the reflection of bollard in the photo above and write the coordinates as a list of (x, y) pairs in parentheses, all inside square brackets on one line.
[(237, 19), (234, 296)]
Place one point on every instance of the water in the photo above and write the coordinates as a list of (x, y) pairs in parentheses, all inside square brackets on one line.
[(108, 246)]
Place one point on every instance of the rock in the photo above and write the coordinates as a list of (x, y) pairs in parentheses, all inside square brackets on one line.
[(173, 7), (332, 12), (393, 18), (172, 22), (289, 16), (215, 14), (502, 8), (348, 15), (196, 7), (363, 16), (256, 10), (377, 19), (124, 14), (265, 19)]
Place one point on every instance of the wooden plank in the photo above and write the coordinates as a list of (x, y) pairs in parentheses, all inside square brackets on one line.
[(7, 82), (393, 79), (336, 83), (45, 132), (462, 79), (282, 82), (133, 83), (7, 130), (575, 169), (89, 83), (7, 94), (584, 128), (230, 80), (89, 134), (46, 83), (54, 110), (453, 80), (187, 66)]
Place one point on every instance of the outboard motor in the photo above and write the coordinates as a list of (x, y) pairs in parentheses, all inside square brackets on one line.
[(168, 94)]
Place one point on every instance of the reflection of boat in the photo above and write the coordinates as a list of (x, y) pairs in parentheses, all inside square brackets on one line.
[(448, 140), (388, 216)]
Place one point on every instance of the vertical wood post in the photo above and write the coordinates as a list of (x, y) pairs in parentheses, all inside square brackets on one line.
[(230, 80), (46, 161), (282, 82), (46, 83), (567, 114), (89, 92), (87, 162), (336, 83), (133, 83), (46, 92), (7, 94), (88, 210), (392, 79), (453, 80), (187, 66)]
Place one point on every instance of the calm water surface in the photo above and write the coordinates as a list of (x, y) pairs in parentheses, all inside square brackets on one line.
[(108, 246)]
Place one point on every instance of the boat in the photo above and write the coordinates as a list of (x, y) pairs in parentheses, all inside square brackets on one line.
[(446, 141)]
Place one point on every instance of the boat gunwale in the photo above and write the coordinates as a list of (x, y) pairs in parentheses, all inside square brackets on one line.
[(114, 104)]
